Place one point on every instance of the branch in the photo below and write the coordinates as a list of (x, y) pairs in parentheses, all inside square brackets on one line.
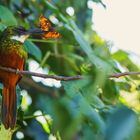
[(33, 116), (22, 72), (63, 78), (118, 75)]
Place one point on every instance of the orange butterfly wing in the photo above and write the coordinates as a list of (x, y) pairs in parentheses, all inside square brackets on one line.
[(51, 34), (45, 25)]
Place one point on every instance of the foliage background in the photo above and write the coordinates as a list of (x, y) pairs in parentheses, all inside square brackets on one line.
[(96, 107)]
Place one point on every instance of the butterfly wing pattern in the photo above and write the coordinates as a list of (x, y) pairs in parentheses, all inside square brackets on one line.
[(46, 26)]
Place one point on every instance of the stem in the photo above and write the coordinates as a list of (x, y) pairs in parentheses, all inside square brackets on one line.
[(42, 41), (22, 72), (33, 116), (63, 78), (6, 134), (117, 75)]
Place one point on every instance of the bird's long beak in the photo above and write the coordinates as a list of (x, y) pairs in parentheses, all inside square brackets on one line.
[(34, 31)]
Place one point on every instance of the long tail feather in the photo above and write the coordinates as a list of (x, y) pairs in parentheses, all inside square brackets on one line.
[(9, 107)]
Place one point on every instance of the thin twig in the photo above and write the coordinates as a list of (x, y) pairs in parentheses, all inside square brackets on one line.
[(118, 75), (33, 116), (42, 41), (22, 72), (63, 78)]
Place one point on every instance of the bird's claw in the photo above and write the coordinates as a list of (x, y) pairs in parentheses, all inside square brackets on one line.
[(17, 71)]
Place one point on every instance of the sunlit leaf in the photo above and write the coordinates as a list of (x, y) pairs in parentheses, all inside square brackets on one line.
[(6, 17), (122, 124), (33, 50)]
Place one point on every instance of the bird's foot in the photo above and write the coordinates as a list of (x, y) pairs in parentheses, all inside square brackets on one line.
[(17, 71)]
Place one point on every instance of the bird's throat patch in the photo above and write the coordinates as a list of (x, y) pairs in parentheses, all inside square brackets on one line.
[(21, 38)]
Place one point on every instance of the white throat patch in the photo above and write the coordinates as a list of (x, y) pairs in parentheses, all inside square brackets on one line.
[(21, 38)]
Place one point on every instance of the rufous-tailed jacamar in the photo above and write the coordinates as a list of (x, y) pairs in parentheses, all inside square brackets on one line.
[(12, 55)]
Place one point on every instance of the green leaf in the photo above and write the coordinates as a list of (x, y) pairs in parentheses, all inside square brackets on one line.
[(110, 91), (92, 116), (74, 87), (19, 96), (124, 59), (88, 134), (67, 118), (33, 50), (122, 125), (52, 7), (102, 67), (6, 17), (85, 46), (75, 90), (2, 27), (1, 86)]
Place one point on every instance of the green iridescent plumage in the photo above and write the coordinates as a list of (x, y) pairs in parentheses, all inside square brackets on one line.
[(12, 55), (8, 45)]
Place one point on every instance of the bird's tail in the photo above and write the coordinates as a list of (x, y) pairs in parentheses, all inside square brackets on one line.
[(9, 107)]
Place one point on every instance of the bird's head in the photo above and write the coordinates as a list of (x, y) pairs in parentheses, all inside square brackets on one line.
[(19, 33)]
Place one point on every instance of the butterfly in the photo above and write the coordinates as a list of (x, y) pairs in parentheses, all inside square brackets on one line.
[(46, 26)]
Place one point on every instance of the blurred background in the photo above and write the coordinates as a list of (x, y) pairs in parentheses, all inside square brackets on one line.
[(99, 38)]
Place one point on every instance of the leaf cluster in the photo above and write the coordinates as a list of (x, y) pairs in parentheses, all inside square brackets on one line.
[(95, 107)]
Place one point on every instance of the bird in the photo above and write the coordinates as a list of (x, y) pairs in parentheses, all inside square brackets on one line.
[(12, 55)]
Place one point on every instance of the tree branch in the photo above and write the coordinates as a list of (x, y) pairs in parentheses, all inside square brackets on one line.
[(63, 78), (118, 75), (22, 72)]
